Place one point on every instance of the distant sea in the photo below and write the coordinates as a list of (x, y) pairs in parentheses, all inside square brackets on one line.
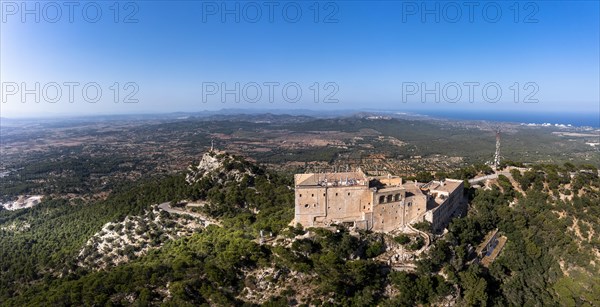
[(591, 119)]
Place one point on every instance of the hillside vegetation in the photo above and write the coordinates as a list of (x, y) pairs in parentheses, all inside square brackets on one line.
[(549, 213)]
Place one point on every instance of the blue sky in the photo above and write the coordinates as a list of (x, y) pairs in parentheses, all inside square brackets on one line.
[(367, 55)]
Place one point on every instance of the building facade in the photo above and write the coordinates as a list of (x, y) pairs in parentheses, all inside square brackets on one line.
[(446, 202), (380, 204)]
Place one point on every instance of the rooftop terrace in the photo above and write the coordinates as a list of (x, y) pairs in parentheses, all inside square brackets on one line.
[(332, 179)]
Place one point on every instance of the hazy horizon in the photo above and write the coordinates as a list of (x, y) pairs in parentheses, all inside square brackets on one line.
[(189, 56), (576, 119)]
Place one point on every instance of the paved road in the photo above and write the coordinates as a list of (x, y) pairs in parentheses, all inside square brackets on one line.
[(205, 220), (424, 235), (492, 176), (483, 178), (404, 267), (198, 204)]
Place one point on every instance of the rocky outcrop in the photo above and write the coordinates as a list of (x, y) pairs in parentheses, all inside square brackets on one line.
[(221, 167), (23, 202)]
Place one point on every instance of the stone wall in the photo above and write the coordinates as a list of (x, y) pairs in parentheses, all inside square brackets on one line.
[(320, 206), (382, 210), (452, 206)]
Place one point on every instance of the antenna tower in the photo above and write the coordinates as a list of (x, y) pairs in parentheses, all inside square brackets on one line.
[(497, 154)]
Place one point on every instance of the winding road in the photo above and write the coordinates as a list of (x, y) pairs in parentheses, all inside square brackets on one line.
[(424, 235), (492, 176), (205, 220)]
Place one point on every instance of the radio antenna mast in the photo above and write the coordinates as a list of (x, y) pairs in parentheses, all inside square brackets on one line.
[(497, 154)]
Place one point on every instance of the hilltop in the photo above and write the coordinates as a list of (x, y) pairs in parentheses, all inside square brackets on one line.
[(547, 213), (222, 167)]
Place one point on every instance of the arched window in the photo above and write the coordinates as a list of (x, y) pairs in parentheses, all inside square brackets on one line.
[(381, 199)]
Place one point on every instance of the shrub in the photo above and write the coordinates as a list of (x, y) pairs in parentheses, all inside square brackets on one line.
[(374, 250), (402, 239)]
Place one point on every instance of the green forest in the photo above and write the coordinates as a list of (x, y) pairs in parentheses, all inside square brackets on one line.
[(549, 258)]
